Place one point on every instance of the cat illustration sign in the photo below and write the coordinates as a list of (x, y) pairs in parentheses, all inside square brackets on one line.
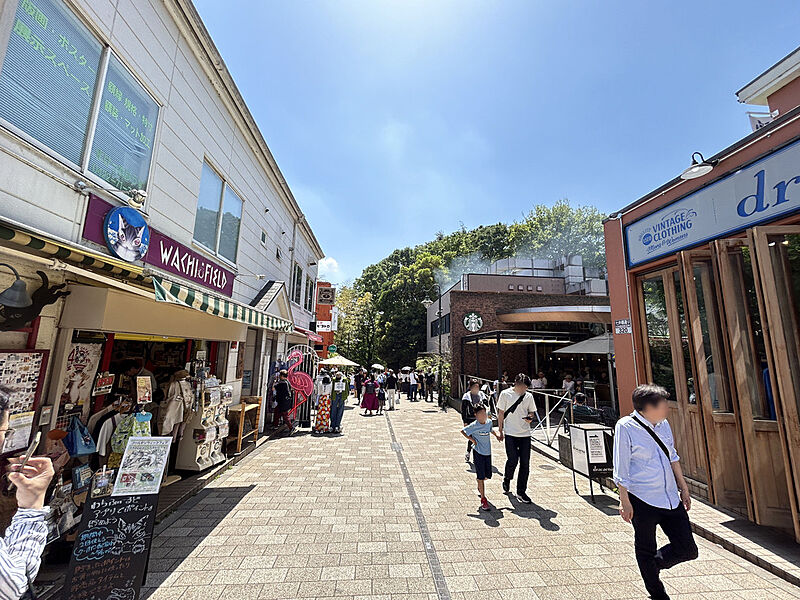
[(126, 233), (473, 322)]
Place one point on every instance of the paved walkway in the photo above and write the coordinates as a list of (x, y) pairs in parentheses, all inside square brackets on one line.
[(388, 511)]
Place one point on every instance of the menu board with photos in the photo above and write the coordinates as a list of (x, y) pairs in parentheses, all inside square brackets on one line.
[(22, 373)]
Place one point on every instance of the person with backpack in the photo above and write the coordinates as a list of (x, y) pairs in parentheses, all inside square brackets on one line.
[(370, 401), (516, 410), (430, 384), (652, 490), (472, 399)]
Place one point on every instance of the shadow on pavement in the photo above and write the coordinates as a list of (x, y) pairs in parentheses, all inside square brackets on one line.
[(603, 503), (180, 534)]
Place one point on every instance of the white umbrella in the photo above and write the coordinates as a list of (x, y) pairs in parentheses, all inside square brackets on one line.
[(338, 361), (377, 367), (406, 369)]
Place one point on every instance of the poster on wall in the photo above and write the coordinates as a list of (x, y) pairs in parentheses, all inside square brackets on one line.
[(19, 431), (142, 466), (21, 377), (82, 362), (144, 390)]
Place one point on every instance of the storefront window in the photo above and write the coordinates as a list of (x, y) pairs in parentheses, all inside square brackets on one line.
[(657, 333), (691, 393), (754, 351), (713, 350)]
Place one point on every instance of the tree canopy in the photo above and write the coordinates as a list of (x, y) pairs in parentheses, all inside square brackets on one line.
[(382, 317)]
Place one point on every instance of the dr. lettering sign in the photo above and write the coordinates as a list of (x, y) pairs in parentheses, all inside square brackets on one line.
[(760, 192)]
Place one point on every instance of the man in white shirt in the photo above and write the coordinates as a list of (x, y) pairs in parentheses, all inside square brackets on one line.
[(412, 389), (540, 382), (516, 410), (652, 490)]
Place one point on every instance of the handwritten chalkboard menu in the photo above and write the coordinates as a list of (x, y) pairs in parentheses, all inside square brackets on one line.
[(112, 547)]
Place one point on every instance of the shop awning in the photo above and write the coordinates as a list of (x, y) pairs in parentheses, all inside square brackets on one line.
[(312, 337), (602, 344), (81, 257), (176, 293)]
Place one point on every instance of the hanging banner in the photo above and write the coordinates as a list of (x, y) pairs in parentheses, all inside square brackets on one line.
[(82, 362)]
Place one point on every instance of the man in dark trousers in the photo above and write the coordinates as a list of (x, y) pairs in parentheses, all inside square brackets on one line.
[(283, 397), (652, 490), (516, 410)]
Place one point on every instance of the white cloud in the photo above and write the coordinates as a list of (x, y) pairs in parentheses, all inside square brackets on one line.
[(328, 268)]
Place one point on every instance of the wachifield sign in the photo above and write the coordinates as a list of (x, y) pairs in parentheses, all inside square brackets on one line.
[(762, 191)]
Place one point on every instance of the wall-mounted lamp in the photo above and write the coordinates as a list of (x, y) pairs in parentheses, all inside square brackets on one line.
[(15, 296), (698, 168)]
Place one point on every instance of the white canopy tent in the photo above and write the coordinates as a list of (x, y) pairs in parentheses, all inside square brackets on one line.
[(601, 344)]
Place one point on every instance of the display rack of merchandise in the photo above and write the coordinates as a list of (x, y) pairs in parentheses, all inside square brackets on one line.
[(205, 433)]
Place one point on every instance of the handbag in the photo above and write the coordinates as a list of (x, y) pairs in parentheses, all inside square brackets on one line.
[(78, 441)]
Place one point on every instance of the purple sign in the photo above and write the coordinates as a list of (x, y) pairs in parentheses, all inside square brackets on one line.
[(164, 252)]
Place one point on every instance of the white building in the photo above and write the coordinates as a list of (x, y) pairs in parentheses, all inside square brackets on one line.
[(99, 99)]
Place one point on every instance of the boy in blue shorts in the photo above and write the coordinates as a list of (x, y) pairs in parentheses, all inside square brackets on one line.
[(478, 433)]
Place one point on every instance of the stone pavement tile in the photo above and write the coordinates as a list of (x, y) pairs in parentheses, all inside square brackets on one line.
[(346, 529), (277, 591), (242, 592), (201, 593), (354, 587)]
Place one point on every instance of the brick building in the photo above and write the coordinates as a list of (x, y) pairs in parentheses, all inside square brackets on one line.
[(518, 331)]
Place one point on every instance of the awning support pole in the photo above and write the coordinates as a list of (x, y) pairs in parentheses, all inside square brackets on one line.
[(611, 383), (499, 360)]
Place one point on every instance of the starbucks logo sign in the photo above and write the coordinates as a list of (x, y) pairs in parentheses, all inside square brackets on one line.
[(473, 322)]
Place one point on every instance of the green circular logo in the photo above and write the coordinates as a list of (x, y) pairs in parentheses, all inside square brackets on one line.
[(473, 321)]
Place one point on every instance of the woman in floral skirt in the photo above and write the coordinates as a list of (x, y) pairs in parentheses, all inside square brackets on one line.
[(322, 422)]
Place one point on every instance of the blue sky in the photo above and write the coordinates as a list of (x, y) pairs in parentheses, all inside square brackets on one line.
[(395, 119)]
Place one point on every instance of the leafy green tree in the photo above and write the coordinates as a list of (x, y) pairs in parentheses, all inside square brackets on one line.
[(561, 230)]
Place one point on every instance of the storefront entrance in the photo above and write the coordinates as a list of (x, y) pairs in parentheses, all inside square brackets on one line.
[(721, 332)]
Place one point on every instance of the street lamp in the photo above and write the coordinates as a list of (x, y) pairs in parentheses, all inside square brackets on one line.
[(426, 303)]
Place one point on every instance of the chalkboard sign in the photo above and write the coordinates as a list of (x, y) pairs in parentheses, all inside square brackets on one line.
[(112, 547)]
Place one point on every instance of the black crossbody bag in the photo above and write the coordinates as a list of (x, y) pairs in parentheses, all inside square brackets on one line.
[(514, 406), (653, 435)]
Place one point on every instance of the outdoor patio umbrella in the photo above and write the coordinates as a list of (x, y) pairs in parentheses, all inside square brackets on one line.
[(601, 344), (338, 361)]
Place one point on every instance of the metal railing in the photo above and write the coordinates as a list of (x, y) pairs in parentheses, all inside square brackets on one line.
[(552, 398)]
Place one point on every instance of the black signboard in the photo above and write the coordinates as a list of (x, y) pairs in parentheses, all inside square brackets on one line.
[(110, 556)]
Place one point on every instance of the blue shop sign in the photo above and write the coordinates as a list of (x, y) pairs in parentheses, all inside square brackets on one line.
[(762, 191), (126, 233)]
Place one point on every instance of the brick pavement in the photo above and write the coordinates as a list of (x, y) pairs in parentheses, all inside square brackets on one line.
[(321, 517)]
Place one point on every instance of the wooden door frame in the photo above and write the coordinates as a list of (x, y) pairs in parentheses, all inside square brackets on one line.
[(747, 422), (681, 401), (686, 260), (786, 398)]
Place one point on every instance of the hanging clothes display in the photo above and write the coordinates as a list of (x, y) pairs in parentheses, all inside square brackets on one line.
[(130, 426), (180, 397)]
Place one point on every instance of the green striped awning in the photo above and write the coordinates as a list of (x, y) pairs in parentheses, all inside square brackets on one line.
[(175, 293), (80, 257)]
